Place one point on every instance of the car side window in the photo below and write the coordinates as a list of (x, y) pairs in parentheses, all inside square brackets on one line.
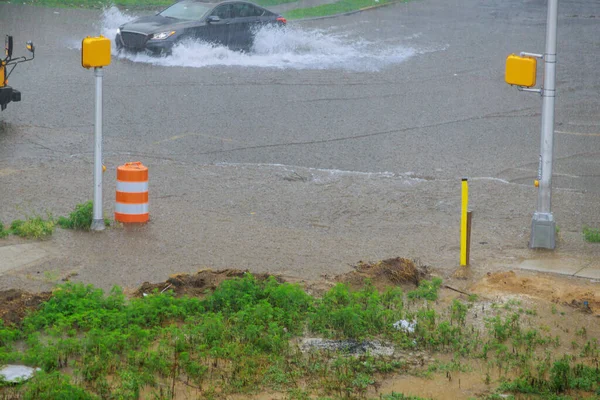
[(243, 10), (223, 12), (256, 12)]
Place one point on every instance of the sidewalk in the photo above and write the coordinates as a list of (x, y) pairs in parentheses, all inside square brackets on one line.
[(580, 268)]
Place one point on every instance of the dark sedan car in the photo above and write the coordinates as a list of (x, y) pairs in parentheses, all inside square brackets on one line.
[(228, 23)]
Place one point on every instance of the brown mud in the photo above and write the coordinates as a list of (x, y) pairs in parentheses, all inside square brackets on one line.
[(574, 292), (195, 285), (390, 272), (15, 304)]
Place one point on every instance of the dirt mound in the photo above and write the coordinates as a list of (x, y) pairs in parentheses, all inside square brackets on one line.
[(195, 285), (385, 273), (581, 294), (15, 304)]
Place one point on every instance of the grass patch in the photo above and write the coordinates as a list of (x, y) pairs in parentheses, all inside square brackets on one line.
[(591, 235), (32, 227), (242, 339), (427, 290), (267, 3), (36, 227), (80, 219), (339, 7), (3, 232)]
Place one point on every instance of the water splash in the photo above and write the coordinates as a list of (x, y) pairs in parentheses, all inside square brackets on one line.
[(113, 18), (290, 47)]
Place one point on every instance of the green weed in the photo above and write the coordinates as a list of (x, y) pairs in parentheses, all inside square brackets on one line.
[(591, 235), (427, 290), (400, 396), (343, 313), (33, 227), (52, 386), (3, 232), (81, 218)]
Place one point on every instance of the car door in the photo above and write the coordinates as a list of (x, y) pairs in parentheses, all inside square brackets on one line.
[(241, 30), (218, 31)]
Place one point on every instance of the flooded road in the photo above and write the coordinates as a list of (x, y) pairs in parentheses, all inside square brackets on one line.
[(395, 105), (292, 47)]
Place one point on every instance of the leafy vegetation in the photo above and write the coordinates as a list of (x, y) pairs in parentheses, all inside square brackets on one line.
[(34, 227), (81, 218), (427, 290), (400, 396), (242, 338), (591, 235), (3, 232)]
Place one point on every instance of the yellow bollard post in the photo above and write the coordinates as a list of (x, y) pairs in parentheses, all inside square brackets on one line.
[(463, 223)]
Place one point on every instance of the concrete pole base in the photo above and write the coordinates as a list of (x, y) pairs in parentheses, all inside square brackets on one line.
[(98, 225), (543, 231)]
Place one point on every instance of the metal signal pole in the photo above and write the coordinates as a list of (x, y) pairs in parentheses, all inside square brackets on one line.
[(543, 226)]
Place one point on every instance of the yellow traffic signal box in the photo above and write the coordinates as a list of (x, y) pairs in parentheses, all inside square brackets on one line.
[(520, 71), (95, 52)]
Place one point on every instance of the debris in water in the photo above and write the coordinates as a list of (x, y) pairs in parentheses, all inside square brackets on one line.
[(404, 325), (17, 373), (352, 347)]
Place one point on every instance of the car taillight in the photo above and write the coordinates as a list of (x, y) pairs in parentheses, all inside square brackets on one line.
[(281, 20)]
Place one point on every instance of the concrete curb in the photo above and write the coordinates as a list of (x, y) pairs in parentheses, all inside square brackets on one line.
[(348, 12)]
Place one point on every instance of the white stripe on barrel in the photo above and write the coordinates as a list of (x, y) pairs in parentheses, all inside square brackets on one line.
[(124, 208), (132, 187)]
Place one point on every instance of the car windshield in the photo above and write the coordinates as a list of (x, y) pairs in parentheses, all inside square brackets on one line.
[(191, 10)]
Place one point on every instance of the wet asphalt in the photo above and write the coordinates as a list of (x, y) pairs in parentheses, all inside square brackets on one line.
[(210, 134)]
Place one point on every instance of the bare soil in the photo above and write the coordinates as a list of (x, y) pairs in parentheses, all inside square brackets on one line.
[(195, 285), (575, 292), (15, 304), (386, 273), (383, 274)]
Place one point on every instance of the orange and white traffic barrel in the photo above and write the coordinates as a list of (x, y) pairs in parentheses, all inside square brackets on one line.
[(132, 193)]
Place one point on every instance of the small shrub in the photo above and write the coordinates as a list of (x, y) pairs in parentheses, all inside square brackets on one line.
[(49, 386), (80, 219), (400, 396), (33, 227), (591, 235), (3, 232), (348, 314), (473, 298), (427, 290), (560, 375)]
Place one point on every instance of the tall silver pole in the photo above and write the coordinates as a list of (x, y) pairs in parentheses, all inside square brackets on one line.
[(98, 219), (543, 226)]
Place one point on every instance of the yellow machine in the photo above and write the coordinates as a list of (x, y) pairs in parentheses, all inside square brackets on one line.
[(7, 65)]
